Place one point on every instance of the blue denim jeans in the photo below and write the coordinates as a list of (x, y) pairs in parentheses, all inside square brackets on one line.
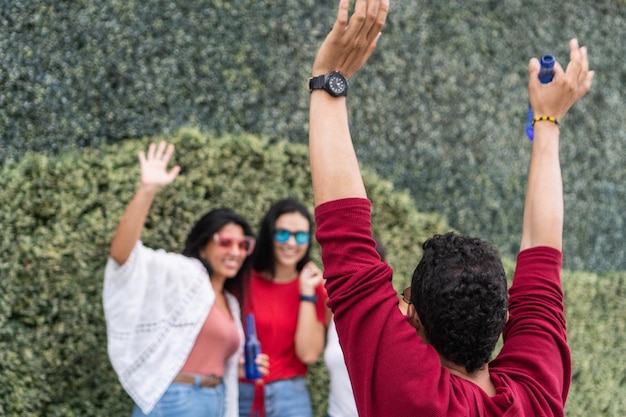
[(182, 400), (284, 398)]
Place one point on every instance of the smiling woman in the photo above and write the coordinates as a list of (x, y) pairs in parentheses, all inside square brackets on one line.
[(286, 296), (177, 308)]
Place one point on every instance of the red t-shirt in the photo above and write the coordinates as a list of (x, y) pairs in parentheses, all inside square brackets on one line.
[(275, 307), (394, 373)]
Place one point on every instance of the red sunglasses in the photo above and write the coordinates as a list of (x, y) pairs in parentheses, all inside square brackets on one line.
[(245, 245)]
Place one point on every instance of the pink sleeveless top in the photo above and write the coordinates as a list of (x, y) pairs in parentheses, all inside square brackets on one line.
[(217, 341)]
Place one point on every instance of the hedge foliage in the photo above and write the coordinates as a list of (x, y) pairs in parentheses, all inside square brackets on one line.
[(59, 214), (595, 306), (439, 109)]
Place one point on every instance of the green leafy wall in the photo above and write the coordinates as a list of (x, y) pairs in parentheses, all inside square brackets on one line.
[(58, 216), (442, 100)]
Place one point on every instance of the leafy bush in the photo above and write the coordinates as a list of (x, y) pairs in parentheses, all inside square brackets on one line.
[(595, 306), (442, 100), (59, 214)]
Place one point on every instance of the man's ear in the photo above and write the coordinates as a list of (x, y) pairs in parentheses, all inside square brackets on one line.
[(414, 318)]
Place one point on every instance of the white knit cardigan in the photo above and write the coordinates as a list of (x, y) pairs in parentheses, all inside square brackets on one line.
[(155, 305)]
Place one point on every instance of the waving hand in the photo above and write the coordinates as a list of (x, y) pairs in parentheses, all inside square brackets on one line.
[(154, 176)]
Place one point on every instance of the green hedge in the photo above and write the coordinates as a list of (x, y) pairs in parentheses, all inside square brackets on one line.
[(595, 306), (442, 100), (59, 214)]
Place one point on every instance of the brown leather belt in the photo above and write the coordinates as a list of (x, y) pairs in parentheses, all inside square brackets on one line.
[(208, 381)]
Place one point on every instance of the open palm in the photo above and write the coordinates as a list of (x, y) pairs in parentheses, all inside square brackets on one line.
[(154, 165)]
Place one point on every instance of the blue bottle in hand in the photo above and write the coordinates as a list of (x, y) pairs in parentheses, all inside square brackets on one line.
[(252, 349), (546, 74)]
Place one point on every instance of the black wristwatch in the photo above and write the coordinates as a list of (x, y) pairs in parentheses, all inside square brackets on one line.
[(335, 84)]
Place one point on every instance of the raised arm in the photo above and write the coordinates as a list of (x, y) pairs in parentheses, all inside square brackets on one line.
[(334, 167), (543, 208), (154, 176)]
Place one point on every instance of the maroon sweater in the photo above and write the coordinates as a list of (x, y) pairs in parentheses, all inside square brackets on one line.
[(394, 373)]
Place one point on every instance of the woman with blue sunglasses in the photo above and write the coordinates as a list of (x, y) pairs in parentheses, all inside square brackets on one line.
[(286, 295)]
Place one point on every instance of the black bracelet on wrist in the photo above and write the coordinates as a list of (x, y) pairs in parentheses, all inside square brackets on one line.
[(310, 298)]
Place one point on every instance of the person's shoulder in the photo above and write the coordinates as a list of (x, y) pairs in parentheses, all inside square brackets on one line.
[(232, 301), (167, 256)]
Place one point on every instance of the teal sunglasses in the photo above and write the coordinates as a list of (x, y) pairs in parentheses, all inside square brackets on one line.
[(283, 235)]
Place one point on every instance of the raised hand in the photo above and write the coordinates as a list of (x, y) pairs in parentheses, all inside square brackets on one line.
[(544, 208), (350, 43), (554, 99), (154, 174)]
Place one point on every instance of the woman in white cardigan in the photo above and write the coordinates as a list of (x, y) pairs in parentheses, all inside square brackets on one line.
[(174, 330)]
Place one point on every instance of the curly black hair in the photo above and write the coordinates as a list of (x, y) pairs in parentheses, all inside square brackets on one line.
[(459, 291)]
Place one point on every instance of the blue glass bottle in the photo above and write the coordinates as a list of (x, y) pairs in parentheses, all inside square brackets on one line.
[(546, 74), (252, 348)]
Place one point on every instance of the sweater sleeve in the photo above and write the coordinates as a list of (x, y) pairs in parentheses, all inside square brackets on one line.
[(393, 373), (535, 351), (231, 374), (154, 306), (149, 286)]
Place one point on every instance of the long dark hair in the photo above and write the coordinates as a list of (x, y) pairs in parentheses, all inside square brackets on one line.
[(203, 231), (263, 256)]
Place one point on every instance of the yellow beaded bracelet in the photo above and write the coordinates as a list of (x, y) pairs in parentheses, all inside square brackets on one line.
[(546, 119)]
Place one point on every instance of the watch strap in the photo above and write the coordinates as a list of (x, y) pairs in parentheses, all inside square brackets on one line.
[(317, 83), (309, 298)]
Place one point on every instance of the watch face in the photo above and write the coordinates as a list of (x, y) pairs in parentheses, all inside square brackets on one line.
[(337, 84)]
